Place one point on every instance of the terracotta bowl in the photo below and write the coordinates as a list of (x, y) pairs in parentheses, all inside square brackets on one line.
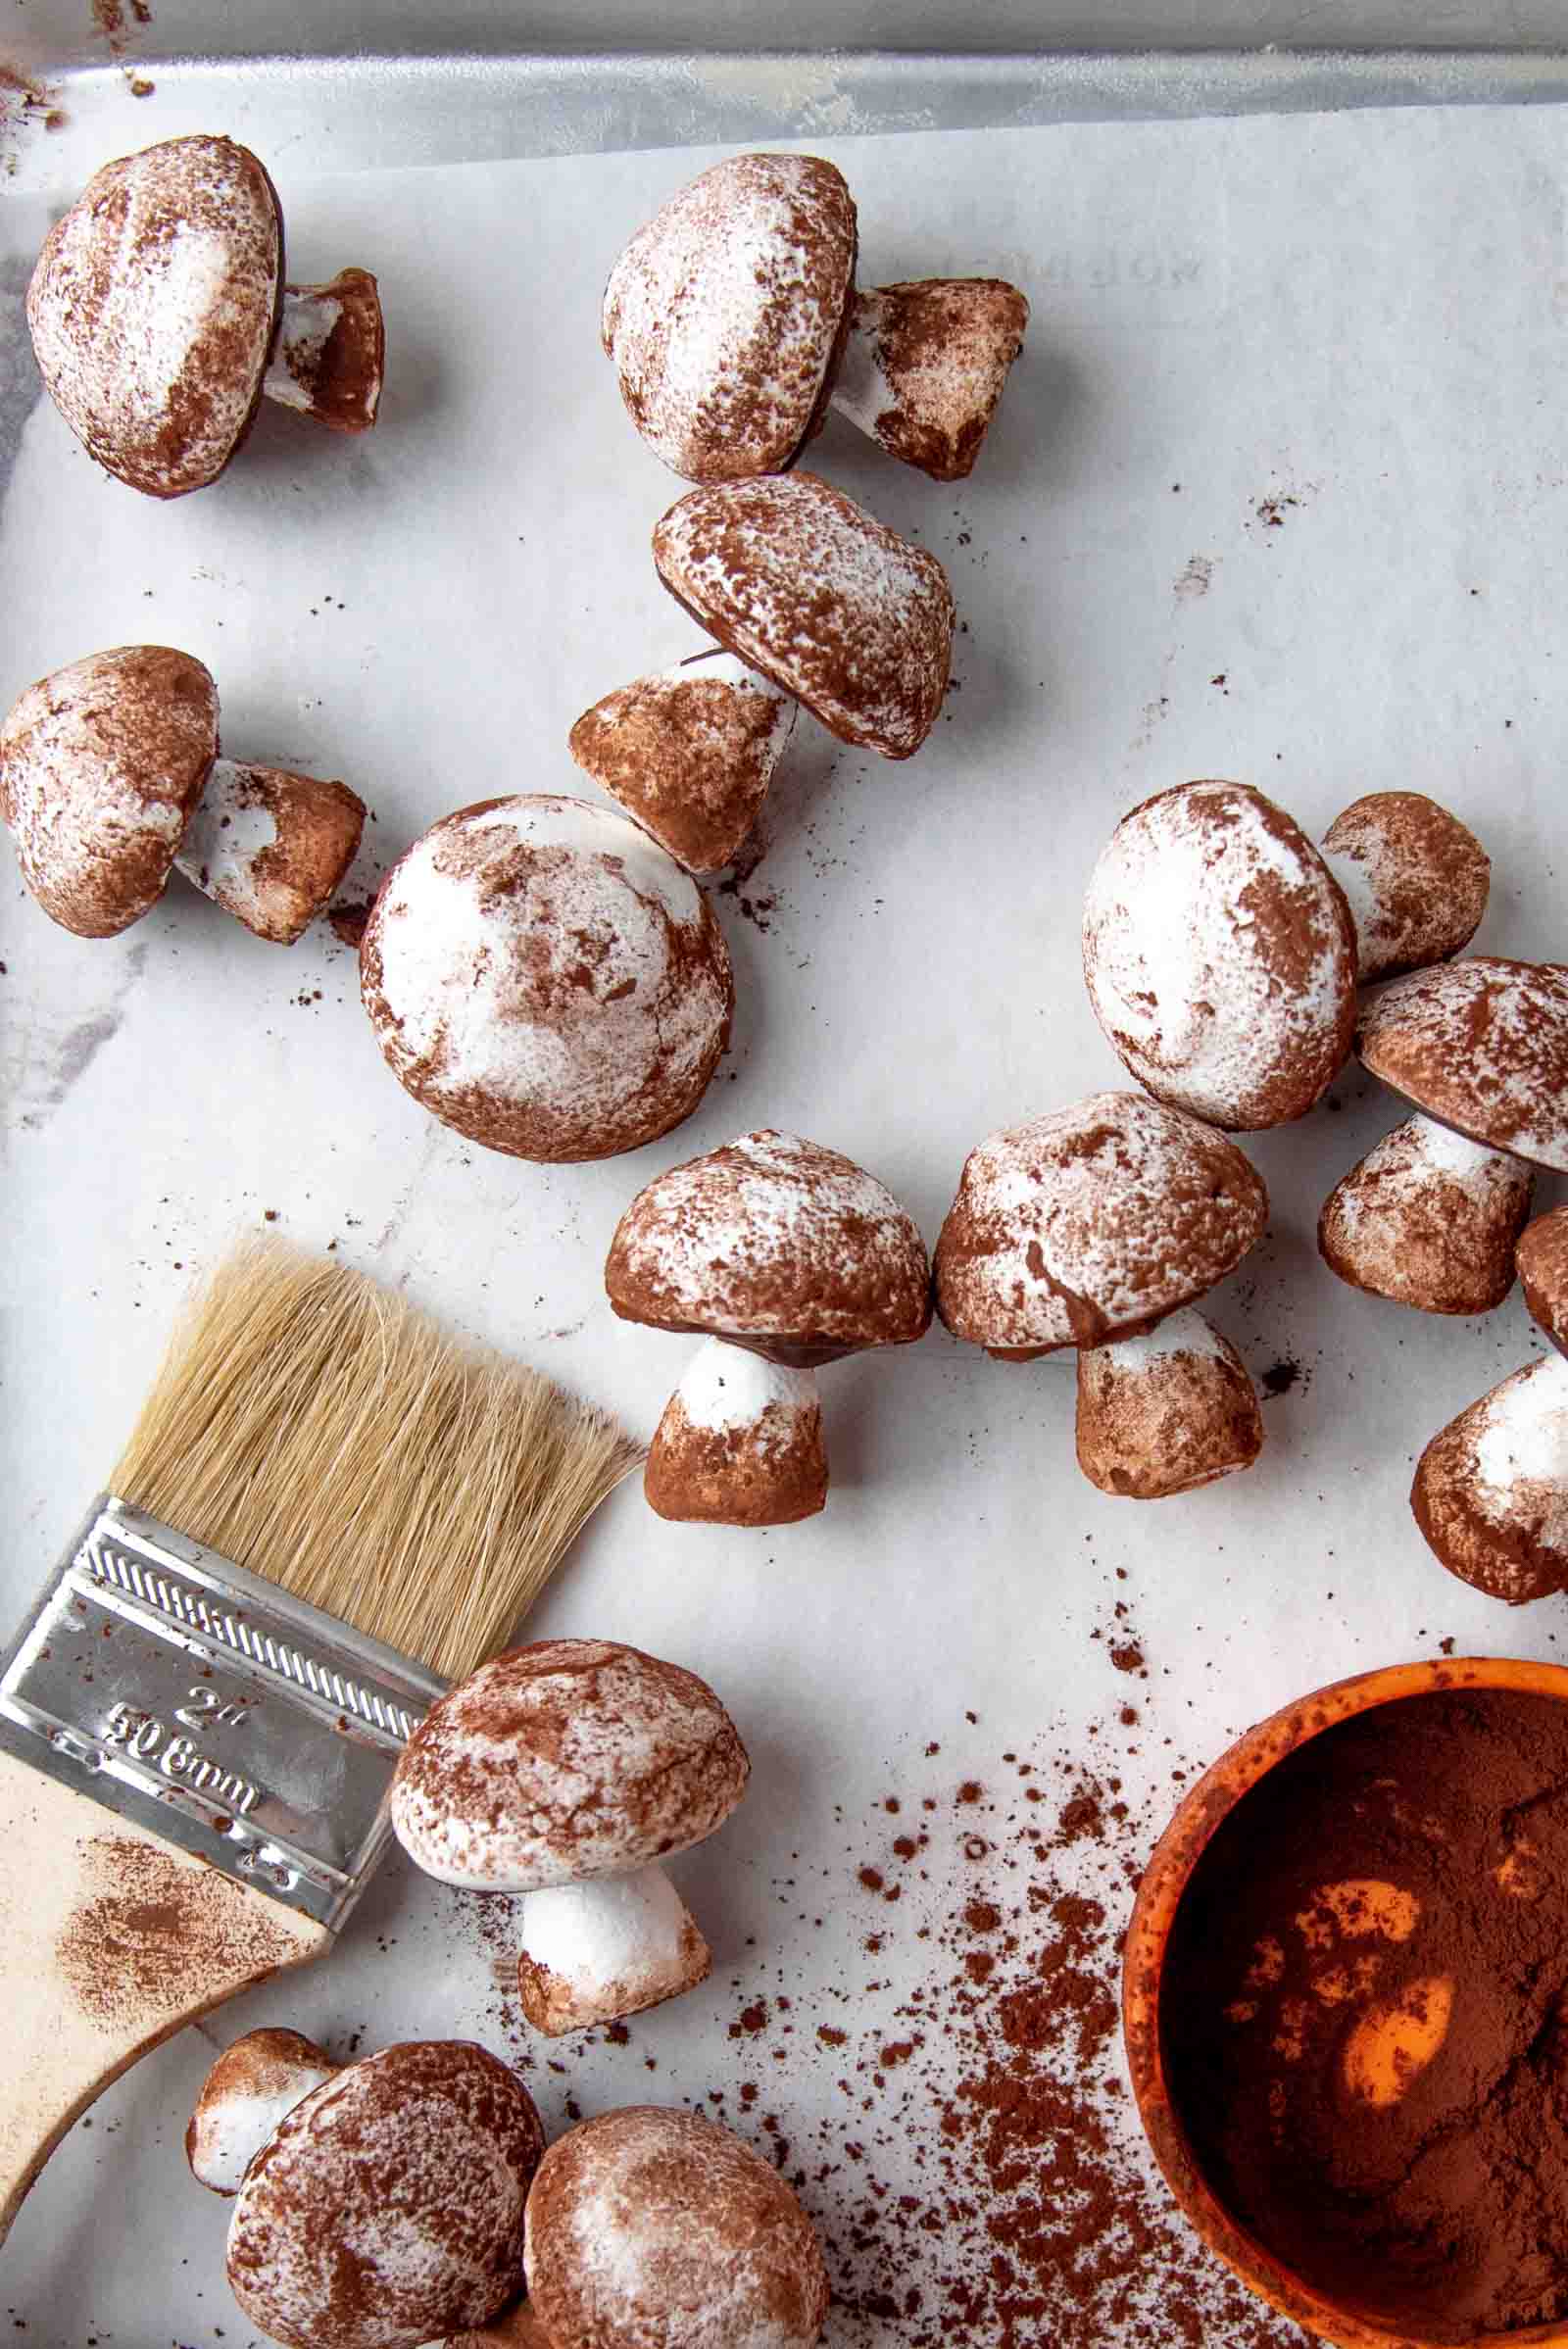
[(1169, 1872)]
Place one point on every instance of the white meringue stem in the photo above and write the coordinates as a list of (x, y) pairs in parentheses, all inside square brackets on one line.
[(328, 357), (604, 1948), (231, 826)]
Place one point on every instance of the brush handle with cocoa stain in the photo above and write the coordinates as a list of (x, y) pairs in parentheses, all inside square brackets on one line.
[(110, 1940)]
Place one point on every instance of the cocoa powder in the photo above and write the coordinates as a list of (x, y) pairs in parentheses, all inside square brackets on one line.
[(1365, 2013)]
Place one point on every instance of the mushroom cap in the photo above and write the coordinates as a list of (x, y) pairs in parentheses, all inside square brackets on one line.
[(776, 1244), (1221, 955), (1542, 1258), (740, 1442), (689, 752), (1491, 1491), (544, 978), (656, 2229), (725, 315), (100, 767), (808, 588), (567, 1759), (1428, 1219), (1167, 1412), (153, 308), (255, 2082), (1481, 1045), (1415, 877), (1092, 1223), (387, 2210)]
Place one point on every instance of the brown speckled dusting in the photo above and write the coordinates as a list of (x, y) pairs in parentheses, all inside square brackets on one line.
[(643, 2215), (807, 587), (725, 315), (543, 977), (153, 308), (385, 2211), (100, 767), (565, 1759), (774, 1242), (161, 1927)]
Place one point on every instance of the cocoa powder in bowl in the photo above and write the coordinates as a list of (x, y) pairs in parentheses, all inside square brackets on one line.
[(1364, 2014)]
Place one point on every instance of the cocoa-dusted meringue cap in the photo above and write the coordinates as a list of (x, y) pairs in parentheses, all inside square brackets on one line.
[(662, 2230), (808, 588), (1091, 1223), (101, 765), (1542, 1258), (563, 1760), (1221, 955), (152, 307), (1416, 878), (724, 313), (776, 1244), (387, 2210), (1481, 1045), (543, 977)]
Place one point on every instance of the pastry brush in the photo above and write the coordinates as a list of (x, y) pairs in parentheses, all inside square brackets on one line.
[(328, 1508)]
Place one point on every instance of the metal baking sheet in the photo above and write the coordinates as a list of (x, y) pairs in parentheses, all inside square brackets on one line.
[(1276, 492)]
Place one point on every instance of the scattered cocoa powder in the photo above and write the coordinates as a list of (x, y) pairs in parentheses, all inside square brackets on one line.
[(159, 1927)]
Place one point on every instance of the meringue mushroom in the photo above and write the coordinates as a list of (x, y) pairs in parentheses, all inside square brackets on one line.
[(787, 1250), (159, 317), (1090, 1227), (1415, 878), (544, 979), (255, 2082), (733, 320), (110, 777), (811, 591), (567, 1771), (649, 2228), (1480, 1046), (1491, 1490), (386, 2208), (689, 752), (1221, 955)]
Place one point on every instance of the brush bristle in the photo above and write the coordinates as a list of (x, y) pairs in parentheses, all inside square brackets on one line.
[(319, 1431)]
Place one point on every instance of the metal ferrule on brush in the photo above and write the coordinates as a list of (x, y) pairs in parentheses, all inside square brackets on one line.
[(215, 1709)]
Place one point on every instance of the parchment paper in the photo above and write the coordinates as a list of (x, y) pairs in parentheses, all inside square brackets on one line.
[(1276, 492)]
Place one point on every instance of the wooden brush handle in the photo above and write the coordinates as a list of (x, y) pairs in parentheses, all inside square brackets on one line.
[(110, 1939)]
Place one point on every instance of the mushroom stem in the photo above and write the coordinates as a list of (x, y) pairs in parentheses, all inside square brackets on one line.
[(330, 351), (271, 847), (596, 1950), (254, 2086), (924, 363), (1166, 1412), (1415, 878), (1429, 1219), (740, 1442), (1491, 1490)]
